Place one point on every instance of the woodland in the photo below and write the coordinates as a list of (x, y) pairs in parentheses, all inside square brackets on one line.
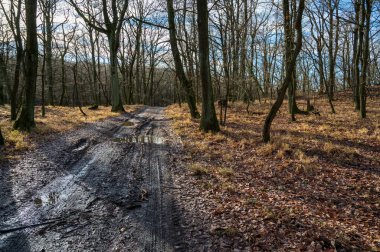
[(276, 105)]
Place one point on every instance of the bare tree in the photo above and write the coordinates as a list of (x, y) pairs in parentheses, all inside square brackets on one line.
[(291, 56), (48, 8), (13, 17), (364, 38), (62, 44), (187, 85), (113, 14)]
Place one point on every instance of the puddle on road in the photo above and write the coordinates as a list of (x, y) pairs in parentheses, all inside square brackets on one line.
[(59, 189), (38, 202), (140, 139), (128, 124), (49, 199), (57, 196)]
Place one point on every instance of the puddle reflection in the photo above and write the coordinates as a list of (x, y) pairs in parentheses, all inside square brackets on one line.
[(128, 124), (140, 139), (45, 200)]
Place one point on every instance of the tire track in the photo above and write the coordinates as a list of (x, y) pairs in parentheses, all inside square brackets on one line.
[(107, 195)]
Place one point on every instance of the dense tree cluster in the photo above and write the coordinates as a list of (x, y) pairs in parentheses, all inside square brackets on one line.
[(162, 52)]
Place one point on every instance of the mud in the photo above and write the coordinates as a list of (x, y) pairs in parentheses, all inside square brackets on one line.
[(103, 187)]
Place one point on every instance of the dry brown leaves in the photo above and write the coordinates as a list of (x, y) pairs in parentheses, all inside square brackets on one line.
[(58, 119), (315, 187)]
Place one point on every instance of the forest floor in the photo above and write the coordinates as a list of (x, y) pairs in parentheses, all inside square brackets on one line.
[(314, 187), (127, 182)]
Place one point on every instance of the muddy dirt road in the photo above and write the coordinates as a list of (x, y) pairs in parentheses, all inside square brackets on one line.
[(103, 187)]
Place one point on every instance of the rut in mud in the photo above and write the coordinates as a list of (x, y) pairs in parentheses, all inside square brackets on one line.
[(103, 187)]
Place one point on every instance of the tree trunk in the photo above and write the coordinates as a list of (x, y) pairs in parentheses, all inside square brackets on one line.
[(355, 68), (63, 84), (16, 83), (75, 91), (331, 81), (49, 54), (3, 79), (94, 72), (25, 120), (293, 109), (209, 122), (19, 61), (117, 105), (43, 85), (137, 82), (186, 84), (366, 15), (2, 141), (290, 65)]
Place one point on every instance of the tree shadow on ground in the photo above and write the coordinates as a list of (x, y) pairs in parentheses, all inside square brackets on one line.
[(9, 241), (338, 156)]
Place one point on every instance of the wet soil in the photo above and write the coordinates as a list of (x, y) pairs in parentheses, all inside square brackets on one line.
[(104, 187)]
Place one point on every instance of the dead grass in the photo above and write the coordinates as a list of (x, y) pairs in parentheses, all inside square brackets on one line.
[(198, 170), (318, 177), (58, 119)]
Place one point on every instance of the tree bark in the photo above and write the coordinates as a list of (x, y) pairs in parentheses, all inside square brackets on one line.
[(209, 122), (290, 65), (3, 79), (96, 96), (117, 105), (75, 91), (43, 112), (186, 84), (355, 68), (111, 27), (2, 141), (49, 54), (63, 84), (366, 15), (25, 120), (14, 20), (16, 81)]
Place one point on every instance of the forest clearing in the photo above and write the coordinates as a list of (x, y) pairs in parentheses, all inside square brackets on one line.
[(190, 125)]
